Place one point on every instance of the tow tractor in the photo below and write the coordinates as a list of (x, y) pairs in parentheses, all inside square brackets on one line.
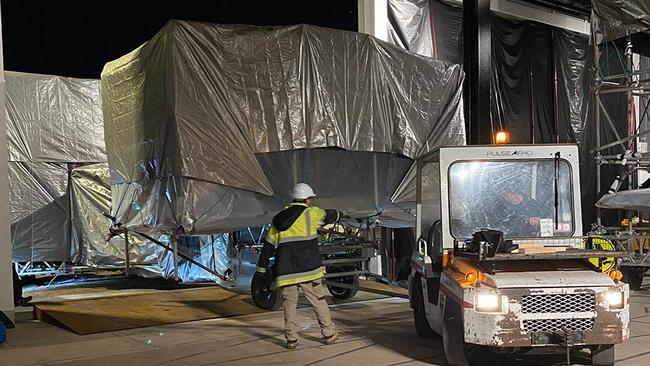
[(501, 266)]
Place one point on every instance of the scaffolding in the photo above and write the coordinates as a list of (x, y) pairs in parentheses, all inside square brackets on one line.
[(622, 156)]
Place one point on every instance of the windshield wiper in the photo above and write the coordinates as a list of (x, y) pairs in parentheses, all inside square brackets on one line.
[(557, 178)]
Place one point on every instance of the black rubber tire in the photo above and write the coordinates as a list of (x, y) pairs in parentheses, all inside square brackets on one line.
[(457, 352), (422, 327), (263, 296), (453, 342), (633, 276), (603, 355), (340, 292)]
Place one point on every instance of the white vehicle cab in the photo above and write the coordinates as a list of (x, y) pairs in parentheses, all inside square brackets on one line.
[(501, 265)]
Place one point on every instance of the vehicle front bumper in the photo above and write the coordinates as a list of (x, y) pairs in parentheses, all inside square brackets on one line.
[(599, 325)]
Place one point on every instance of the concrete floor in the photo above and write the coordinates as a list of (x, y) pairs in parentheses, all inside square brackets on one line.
[(374, 332)]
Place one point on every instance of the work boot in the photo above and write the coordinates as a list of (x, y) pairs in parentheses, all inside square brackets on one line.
[(292, 344), (332, 339)]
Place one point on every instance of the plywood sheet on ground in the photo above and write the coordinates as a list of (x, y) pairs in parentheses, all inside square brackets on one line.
[(97, 315), (135, 311), (383, 289)]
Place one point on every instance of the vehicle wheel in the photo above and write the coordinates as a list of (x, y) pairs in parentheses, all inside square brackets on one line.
[(341, 292), (633, 276), (457, 352), (263, 295), (603, 355), (422, 327), (453, 341)]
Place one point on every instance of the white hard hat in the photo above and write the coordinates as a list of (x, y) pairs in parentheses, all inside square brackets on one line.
[(302, 191)]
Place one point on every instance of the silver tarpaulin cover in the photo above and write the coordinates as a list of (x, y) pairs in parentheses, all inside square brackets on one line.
[(613, 19), (91, 196), (190, 115), (51, 122), (40, 213), (409, 26), (53, 119), (634, 199)]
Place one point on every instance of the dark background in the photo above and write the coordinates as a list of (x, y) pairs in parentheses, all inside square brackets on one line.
[(76, 38)]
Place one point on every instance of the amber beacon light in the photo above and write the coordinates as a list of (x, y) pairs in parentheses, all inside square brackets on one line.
[(502, 137)]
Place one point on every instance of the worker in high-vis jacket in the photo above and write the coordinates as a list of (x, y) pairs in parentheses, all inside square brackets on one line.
[(293, 241)]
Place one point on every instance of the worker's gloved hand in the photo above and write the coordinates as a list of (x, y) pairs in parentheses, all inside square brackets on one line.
[(265, 275), (268, 277)]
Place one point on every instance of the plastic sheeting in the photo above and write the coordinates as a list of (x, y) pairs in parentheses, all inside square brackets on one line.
[(179, 108), (409, 26), (359, 182), (613, 19), (51, 121), (428, 28), (91, 196), (53, 124), (574, 59), (542, 81), (209, 250), (634, 199), (40, 211), (340, 178)]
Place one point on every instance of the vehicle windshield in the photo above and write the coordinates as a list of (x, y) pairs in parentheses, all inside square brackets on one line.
[(515, 197)]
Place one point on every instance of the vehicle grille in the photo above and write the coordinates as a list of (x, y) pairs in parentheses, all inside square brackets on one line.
[(560, 303), (558, 325)]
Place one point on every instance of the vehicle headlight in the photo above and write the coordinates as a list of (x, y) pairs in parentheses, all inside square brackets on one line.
[(489, 303), (615, 299)]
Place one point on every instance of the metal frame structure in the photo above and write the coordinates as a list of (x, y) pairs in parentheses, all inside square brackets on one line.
[(44, 269), (537, 13), (629, 155), (477, 64)]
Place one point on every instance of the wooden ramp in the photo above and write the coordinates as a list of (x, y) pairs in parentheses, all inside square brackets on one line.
[(135, 311), (383, 289), (88, 316)]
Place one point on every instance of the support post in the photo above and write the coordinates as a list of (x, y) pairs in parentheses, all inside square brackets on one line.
[(418, 201), (6, 276), (176, 277), (373, 18), (632, 181), (478, 69), (127, 255), (597, 118)]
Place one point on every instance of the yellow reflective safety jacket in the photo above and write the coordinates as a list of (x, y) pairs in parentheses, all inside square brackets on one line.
[(293, 240)]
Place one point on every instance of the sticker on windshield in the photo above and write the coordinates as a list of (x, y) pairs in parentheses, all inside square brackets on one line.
[(546, 227), (566, 216)]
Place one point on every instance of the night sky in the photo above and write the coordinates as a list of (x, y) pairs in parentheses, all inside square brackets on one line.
[(76, 38)]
